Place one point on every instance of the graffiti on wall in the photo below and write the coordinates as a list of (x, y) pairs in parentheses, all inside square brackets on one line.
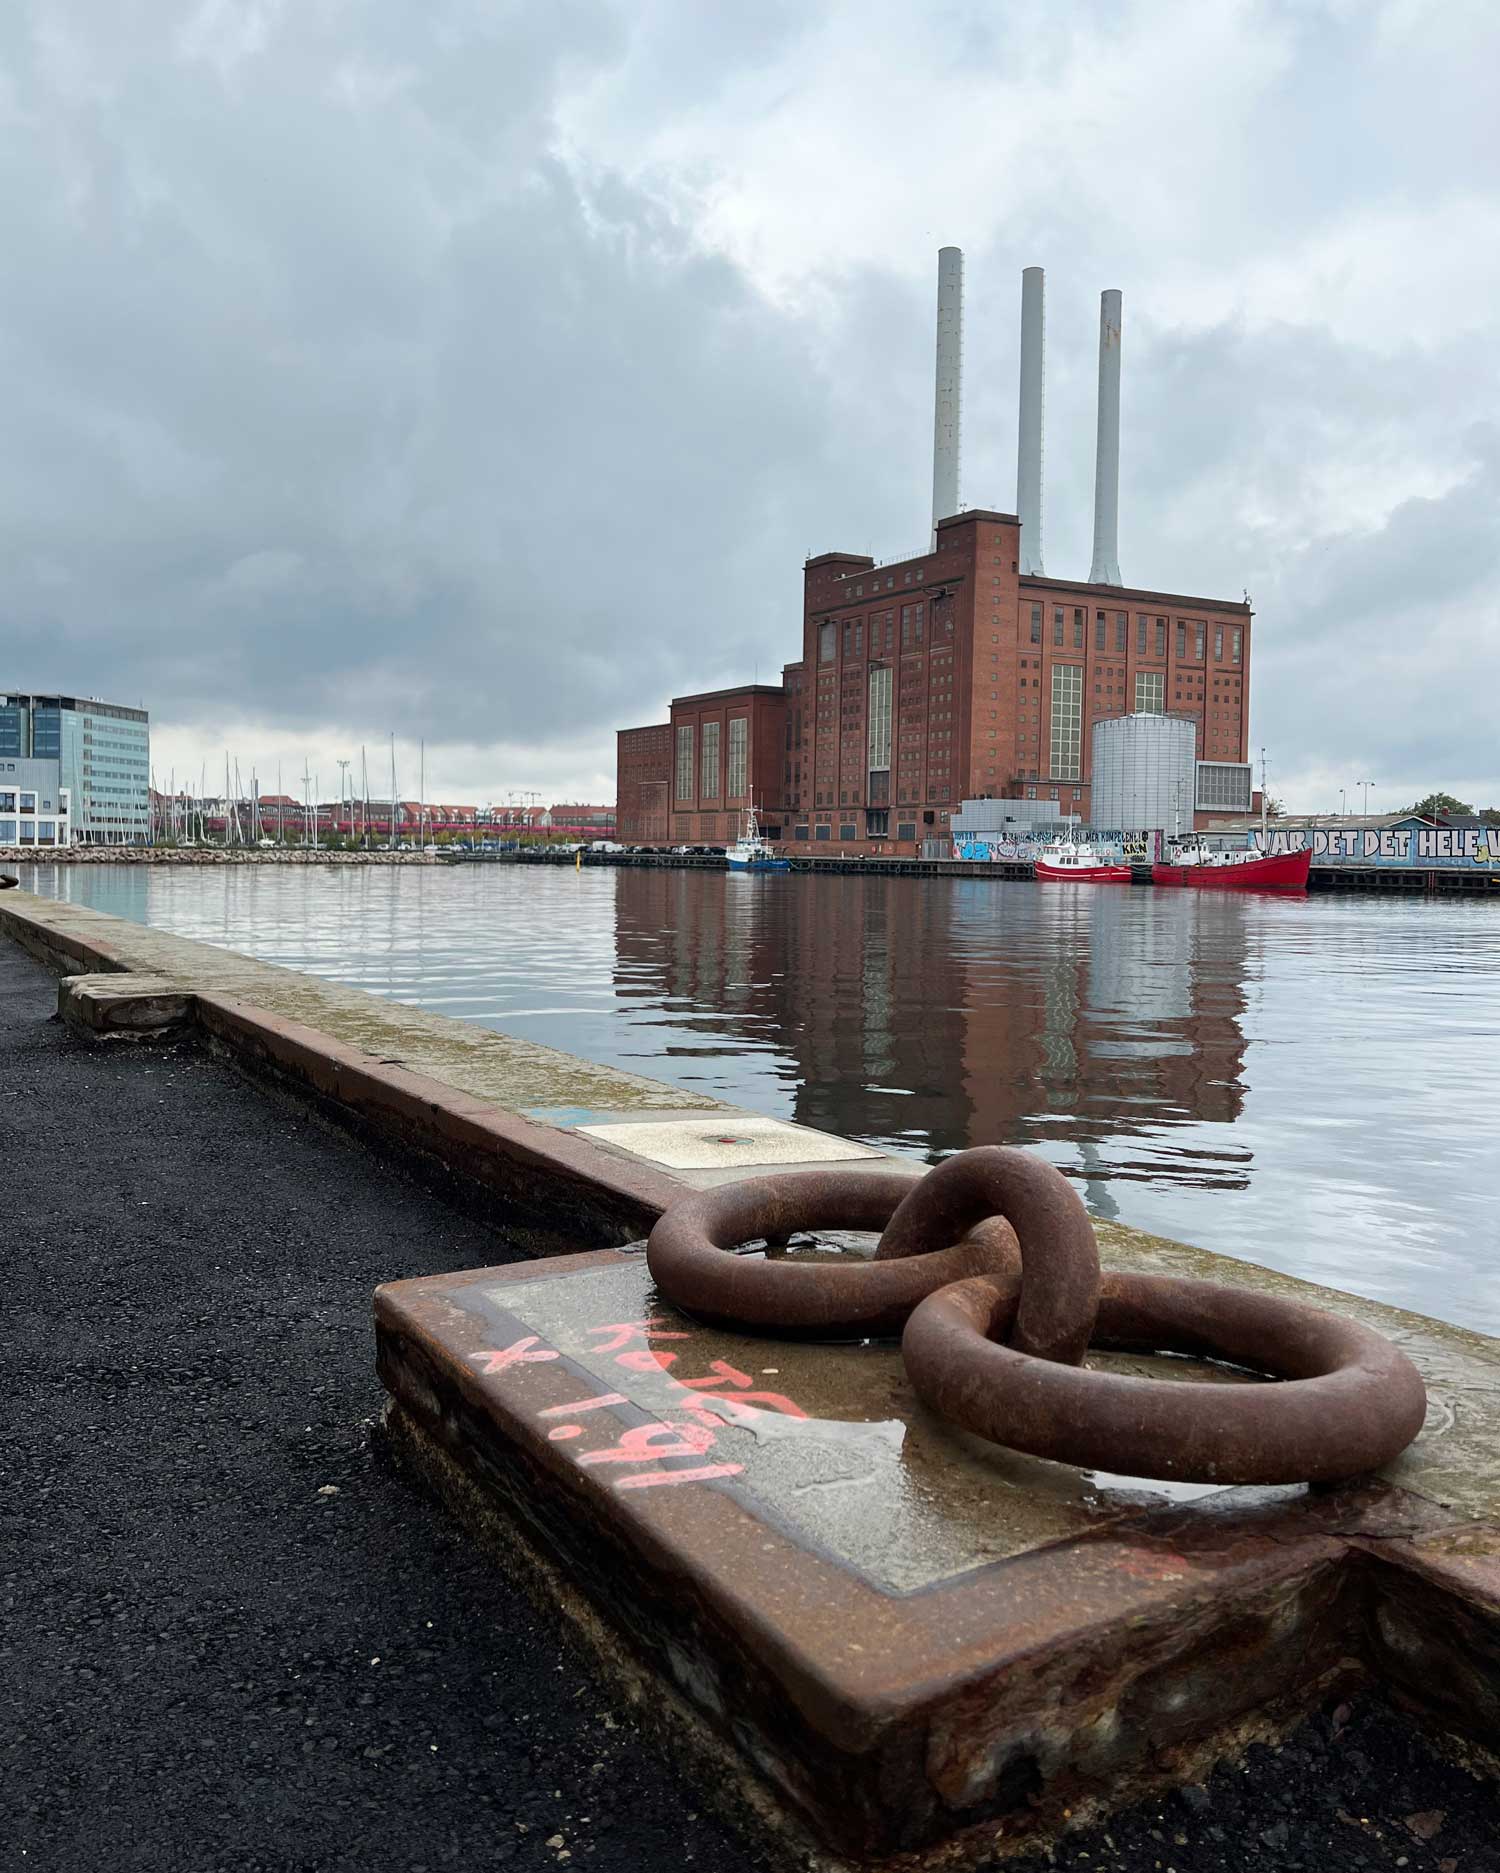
[(1135, 848), (1418, 847)]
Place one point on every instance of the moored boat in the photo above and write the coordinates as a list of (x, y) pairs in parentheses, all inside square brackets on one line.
[(752, 852), (1235, 871), (1064, 862)]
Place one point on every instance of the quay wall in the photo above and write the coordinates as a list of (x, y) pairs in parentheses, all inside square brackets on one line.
[(1345, 875)]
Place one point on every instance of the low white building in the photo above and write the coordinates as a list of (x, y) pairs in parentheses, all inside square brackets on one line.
[(35, 809)]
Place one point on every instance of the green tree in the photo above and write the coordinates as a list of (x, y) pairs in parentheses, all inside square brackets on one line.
[(1436, 803)]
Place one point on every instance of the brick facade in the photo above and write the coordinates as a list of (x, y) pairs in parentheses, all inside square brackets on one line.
[(643, 781), (948, 676), (727, 754)]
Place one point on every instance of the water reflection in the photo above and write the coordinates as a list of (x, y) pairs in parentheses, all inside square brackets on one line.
[(1082, 1018), (1299, 1082)]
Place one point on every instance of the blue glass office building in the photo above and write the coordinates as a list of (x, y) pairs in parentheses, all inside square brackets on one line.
[(103, 752)]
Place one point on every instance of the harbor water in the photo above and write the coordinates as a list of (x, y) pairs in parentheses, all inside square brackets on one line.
[(1303, 1082)]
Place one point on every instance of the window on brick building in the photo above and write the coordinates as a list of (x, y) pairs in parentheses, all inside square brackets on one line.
[(1098, 630), (1140, 636), (1122, 624), (739, 759), (684, 787), (1036, 624), (1057, 626), (1161, 637), (848, 636), (1067, 720), (1198, 631), (1181, 639), (1078, 627), (1235, 644), (825, 642), (1218, 643), (709, 783)]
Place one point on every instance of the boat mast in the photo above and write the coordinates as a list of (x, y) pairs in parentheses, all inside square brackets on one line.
[(1262, 799)]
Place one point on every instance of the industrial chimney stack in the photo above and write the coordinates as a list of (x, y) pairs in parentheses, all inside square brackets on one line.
[(947, 402), (1029, 451), (1106, 566)]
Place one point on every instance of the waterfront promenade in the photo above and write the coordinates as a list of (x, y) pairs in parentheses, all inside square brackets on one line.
[(221, 1665)]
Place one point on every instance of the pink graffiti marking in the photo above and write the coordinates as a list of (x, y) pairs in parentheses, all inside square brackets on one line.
[(649, 1479), (501, 1359), (624, 1331), (645, 1360), (583, 1404), (648, 1443)]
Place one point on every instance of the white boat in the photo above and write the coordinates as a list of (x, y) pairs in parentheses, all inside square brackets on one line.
[(1064, 861), (750, 852)]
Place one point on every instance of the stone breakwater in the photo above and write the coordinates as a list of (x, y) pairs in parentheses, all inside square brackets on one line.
[(199, 855)]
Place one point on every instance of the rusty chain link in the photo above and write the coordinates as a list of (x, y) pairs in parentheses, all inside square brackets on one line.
[(988, 1268)]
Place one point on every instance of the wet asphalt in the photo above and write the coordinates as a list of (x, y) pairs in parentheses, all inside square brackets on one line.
[(207, 1663)]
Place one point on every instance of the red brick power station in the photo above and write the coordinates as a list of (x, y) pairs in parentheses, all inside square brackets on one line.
[(960, 672)]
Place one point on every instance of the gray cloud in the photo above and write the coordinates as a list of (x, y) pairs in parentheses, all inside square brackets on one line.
[(485, 371), (366, 409)]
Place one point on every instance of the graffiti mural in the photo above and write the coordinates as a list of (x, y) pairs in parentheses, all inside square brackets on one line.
[(1418, 848), (1136, 848)]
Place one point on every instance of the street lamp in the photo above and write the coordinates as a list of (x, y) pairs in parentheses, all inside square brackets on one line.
[(1367, 785), (1343, 811)]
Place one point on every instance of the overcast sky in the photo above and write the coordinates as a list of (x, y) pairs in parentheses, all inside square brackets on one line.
[(484, 372)]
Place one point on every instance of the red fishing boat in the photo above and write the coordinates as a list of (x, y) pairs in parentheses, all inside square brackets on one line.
[(1064, 862), (1235, 871)]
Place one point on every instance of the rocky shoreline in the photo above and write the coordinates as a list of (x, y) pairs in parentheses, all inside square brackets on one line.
[(200, 855)]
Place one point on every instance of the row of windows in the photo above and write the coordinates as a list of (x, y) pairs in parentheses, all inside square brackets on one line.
[(1121, 624), (739, 760), (28, 802)]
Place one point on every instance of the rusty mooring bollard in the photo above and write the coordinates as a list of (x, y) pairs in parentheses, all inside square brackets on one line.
[(989, 1268)]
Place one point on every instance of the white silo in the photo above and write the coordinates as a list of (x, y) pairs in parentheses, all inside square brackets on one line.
[(1143, 772)]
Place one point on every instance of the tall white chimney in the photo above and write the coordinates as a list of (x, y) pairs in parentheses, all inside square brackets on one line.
[(947, 401), (1029, 451), (1106, 567)]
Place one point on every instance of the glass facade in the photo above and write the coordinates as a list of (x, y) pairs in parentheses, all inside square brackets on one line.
[(103, 755)]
